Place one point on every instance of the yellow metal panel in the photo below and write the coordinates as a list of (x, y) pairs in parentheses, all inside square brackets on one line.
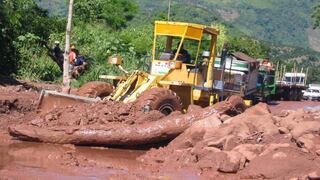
[(168, 27), (211, 61), (169, 23), (190, 31), (146, 84), (194, 33), (110, 77), (170, 30), (196, 94), (248, 102)]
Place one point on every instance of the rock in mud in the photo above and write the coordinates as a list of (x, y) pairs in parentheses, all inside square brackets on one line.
[(233, 163), (250, 151)]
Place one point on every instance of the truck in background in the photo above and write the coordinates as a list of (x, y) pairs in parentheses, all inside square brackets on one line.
[(240, 74), (266, 87), (290, 85), (312, 93), (279, 84), (258, 80)]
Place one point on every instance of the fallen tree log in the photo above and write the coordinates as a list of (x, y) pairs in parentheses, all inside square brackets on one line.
[(129, 135)]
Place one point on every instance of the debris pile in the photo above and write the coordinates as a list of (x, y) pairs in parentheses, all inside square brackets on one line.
[(254, 144), (114, 123)]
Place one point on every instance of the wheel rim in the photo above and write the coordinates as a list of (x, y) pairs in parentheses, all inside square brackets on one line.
[(166, 109)]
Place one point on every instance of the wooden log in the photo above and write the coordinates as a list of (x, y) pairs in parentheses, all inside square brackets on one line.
[(128, 135)]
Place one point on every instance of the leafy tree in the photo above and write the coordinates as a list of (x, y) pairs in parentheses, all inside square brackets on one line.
[(252, 47), (115, 13), (17, 18), (316, 16), (7, 51)]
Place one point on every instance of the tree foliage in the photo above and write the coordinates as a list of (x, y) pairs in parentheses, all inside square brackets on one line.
[(17, 18), (252, 47), (116, 27), (316, 16), (115, 13)]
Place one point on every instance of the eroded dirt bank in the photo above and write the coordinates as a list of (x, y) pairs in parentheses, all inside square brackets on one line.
[(254, 145)]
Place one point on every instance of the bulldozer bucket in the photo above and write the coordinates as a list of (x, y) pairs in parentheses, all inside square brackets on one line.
[(51, 99)]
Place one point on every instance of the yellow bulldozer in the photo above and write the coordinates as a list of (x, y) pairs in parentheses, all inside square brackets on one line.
[(181, 73)]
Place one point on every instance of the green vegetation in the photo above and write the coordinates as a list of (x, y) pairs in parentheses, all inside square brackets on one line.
[(125, 27), (22, 21), (282, 22), (114, 13), (316, 16)]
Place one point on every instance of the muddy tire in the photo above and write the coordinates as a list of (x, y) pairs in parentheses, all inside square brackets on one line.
[(163, 100), (95, 89)]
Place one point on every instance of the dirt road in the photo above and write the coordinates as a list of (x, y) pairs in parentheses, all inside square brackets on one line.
[(277, 107), (243, 146)]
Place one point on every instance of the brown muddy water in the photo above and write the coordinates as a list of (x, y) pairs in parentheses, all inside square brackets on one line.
[(26, 160)]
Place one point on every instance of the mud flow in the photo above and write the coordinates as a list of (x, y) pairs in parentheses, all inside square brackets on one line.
[(276, 141), (64, 162)]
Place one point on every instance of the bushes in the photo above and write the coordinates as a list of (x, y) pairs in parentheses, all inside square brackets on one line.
[(34, 64), (97, 42)]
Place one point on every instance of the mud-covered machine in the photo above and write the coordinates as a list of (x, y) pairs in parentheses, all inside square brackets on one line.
[(172, 84)]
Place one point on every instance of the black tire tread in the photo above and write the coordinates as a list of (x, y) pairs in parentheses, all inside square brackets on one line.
[(154, 96)]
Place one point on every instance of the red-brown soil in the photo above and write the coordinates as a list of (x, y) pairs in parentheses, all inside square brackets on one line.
[(253, 145)]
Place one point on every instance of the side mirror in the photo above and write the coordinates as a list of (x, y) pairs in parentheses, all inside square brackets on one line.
[(115, 60)]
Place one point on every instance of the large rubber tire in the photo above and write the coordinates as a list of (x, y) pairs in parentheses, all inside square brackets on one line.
[(161, 99), (95, 89)]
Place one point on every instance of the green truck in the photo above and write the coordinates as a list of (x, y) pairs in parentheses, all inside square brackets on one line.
[(257, 80)]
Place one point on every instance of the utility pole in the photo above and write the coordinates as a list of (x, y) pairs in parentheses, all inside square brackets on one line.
[(66, 65), (169, 9)]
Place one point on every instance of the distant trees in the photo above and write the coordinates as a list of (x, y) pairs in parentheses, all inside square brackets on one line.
[(316, 16), (114, 13), (252, 47)]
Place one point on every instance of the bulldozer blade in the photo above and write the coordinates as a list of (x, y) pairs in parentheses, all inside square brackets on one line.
[(51, 99)]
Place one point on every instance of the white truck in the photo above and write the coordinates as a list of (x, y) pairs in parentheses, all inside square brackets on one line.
[(312, 93), (290, 85)]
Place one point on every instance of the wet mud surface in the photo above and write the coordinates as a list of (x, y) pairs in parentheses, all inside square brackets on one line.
[(29, 160), (261, 143)]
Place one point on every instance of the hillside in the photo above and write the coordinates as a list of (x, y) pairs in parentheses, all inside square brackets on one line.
[(284, 22), (278, 21), (284, 25)]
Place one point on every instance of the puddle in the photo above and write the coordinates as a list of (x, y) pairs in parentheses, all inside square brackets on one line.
[(46, 161)]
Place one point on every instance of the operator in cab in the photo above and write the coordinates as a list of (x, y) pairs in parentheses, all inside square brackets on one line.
[(183, 54)]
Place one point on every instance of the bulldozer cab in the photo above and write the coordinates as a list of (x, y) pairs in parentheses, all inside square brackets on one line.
[(184, 54), (178, 44)]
